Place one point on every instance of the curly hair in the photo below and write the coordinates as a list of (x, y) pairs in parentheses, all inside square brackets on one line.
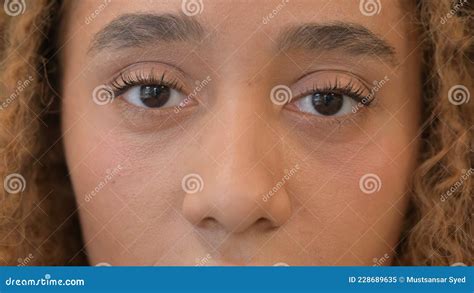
[(38, 214)]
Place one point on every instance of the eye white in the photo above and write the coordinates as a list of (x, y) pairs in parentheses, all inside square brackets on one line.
[(132, 96), (305, 104)]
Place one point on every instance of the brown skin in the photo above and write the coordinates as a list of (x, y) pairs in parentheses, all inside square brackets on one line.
[(239, 142)]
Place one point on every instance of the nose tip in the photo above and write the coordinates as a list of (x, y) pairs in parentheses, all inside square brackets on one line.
[(237, 206)]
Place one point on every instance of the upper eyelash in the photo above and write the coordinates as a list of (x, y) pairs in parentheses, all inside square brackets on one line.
[(350, 89), (126, 80)]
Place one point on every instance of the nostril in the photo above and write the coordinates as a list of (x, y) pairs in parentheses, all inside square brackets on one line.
[(261, 221), (264, 224), (208, 223)]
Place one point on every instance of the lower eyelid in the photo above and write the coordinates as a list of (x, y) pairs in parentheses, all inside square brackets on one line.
[(323, 124)]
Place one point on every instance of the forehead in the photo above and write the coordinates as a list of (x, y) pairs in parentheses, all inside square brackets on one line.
[(243, 33)]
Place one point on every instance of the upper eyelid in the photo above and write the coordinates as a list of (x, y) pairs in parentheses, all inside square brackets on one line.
[(332, 84), (135, 77), (140, 76), (146, 65), (365, 82)]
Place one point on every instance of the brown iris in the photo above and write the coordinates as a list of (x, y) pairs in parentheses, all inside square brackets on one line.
[(154, 96), (327, 103)]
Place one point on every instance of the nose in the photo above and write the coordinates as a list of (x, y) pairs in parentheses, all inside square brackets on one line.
[(243, 188), (237, 202)]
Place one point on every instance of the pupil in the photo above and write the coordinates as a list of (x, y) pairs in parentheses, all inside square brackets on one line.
[(327, 103), (154, 96)]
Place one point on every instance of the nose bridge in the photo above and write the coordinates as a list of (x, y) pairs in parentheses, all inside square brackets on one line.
[(234, 187), (237, 136), (245, 140)]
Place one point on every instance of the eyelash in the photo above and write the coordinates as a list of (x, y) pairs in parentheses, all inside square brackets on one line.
[(351, 90), (128, 80)]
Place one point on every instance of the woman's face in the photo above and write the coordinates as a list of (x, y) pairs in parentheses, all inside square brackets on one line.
[(240, 133)]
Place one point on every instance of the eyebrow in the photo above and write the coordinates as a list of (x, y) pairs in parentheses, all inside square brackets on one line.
[(134, 30), (139, 29), (352, 38)]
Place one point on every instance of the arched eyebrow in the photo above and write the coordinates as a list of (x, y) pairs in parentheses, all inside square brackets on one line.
[(135, 30), (350, 38)]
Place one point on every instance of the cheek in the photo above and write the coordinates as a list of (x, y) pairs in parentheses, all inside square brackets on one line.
[(128, 192), (356, 192)]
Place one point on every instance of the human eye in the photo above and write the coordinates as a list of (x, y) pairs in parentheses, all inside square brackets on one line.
[(332, 96), (150, 89)]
